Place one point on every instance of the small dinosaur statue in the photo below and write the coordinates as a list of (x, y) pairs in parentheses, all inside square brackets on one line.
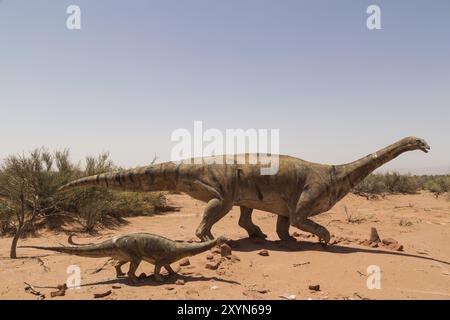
[(135, 247), (299, 190)]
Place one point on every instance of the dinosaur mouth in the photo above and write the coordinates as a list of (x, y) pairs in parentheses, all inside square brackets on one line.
[(425, 148)]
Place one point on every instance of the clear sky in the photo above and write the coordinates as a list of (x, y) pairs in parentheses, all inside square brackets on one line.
[(137, 70)]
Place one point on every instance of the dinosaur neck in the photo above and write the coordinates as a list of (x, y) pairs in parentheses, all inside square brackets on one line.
[(354, 172), (191, 249)]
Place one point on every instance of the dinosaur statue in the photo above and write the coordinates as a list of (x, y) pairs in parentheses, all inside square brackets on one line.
[(135, 247), (298, 191)]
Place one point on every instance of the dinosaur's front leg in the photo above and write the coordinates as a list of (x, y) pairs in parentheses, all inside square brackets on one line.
[(245, 221), (314, 228), (215, 210), (118, 267), (283, 225)]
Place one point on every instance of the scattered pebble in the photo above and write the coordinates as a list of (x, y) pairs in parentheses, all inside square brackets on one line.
[(264, 253), (102, 295), (389, 241), (192, 292), (374, 244), (209, 257), (315, 287), (116, 287), (179, 282), (225, 250), (213, 265), (184, 262), (288, 297)]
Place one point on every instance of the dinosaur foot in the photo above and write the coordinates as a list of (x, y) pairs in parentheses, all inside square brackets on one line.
[(158, 277), (257, 234)]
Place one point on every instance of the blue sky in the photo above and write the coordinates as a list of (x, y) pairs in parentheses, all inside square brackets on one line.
[(138, 70)]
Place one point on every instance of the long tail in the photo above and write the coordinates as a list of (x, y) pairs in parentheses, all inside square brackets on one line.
[(160, 177), (191, 249), (104, 249)]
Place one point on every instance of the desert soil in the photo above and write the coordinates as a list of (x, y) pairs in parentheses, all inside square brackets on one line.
[(421, 223)]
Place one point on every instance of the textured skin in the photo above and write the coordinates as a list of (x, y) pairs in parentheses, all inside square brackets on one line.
[(299, 189), (135, 247)]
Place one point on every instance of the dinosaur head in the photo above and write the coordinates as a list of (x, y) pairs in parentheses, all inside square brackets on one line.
[(418, 144)]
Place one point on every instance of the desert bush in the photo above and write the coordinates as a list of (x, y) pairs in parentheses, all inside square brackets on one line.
[(437, 185), (29, 185)]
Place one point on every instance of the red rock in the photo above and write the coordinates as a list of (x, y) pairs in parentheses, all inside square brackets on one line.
[(212, 265), (184, 262), (315, 287), (209, 257), (179, 282), (389, 241), (225, 250), (374, 237), (374, 244), (264, 253)]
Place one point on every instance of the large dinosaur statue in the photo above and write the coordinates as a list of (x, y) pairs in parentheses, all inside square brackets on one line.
[(299, 189)]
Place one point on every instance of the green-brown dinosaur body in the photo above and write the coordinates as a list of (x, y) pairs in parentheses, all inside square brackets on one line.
[(135, 247), (299, 189)]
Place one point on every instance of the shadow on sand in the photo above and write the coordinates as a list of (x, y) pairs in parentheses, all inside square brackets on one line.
[(249, 244)]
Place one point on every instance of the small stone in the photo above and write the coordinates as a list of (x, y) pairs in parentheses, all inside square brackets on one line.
[(212, 265), (264, 253), (389, 241), (234, 258), (192, 292), (288, 297), (263, 291), (184, 262), (209, 257), (374, 237), (179, 282), (315, 287), (225, 250), (170, 288), (116, 287), (374, 244), (396, 247), (296, 234), (366, 242)]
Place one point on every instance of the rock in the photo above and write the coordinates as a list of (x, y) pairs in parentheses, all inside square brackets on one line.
[(215, 250), (374, 237), (102, 295), (213, 265), (389, 241), (225, 250), (116, 287), (234, 258), (170, 288), (192, 292), (395, 247), (374, 244), (179, 282), (61, 291), (184, 262), (263, 291), (366, 242), (264, 253), (296, 234), (209, 257), (315, 287), (288, 297)]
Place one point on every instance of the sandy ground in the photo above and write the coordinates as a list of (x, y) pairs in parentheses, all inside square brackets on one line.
[(421, 223)]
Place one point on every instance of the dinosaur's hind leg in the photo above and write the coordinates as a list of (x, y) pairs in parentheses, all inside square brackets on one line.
[(118, 266), (215, 210), (283, 228), (245, 221)]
